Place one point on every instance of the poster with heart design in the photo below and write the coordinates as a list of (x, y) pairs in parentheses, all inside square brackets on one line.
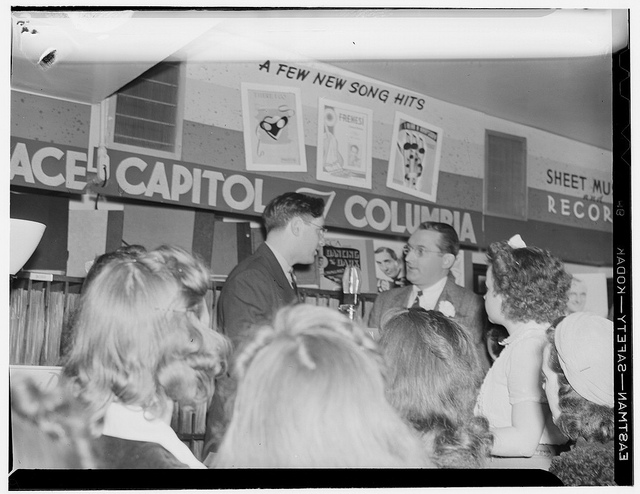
[(414, 160), (273, 133)]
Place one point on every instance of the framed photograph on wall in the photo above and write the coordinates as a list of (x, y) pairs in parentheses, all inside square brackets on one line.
[(588, 292), (414, 160), (390, 266), (340, 251), (344, 144), (273, 131)]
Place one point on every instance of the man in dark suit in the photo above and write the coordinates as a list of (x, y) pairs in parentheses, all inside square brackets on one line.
[(429, 256), (264, 282)]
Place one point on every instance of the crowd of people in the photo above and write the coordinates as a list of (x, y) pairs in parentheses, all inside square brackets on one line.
[(289, 384)]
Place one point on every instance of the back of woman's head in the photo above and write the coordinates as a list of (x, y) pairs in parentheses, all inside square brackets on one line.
[(532, 282), (581, 354), (311, 394), (188, 269), (433, 381), (433, 368), (122, 253), (191, 274), (139, 340)]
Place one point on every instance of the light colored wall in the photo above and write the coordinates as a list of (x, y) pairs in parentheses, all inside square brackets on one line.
[(50, 120), (213, 134), (213, 98)]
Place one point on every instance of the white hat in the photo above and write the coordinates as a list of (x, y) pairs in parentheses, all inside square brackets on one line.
[(584, 342)]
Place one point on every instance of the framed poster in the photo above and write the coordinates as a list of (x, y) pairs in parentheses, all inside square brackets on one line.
[(414, 160), (340, 251), (588, 292), (273, 132), (344, 144), (390, 267)]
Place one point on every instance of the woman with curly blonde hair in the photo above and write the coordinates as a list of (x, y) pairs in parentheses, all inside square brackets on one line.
[(433, 381), (141, 343), (311, 394), (527, 289)]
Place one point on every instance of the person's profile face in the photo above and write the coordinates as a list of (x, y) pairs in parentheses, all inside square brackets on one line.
[(387, 264), (550, 384), (425, 264), (311, 240), (493, 301), (577, 296)]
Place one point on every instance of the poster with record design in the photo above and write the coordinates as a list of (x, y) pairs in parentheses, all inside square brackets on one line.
[(273, 131), (344, 144), (414, 160)]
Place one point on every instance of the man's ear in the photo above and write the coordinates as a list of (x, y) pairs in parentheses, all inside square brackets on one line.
[(296, 224), (448, 260)]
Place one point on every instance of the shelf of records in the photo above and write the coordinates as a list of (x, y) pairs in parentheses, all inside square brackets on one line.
[(41, 306)]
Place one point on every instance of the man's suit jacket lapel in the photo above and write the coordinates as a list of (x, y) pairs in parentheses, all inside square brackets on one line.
[(449, 293)]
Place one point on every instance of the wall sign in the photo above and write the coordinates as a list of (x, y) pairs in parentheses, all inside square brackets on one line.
[(48, 166), (563, 209), (364, 90), (42, 165)]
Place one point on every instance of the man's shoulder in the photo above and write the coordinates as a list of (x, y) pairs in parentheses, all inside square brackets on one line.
[(115, 452), (461, 292), (258, 261), (391, 296)]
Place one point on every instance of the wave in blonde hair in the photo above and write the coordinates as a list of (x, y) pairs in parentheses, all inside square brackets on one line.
[(311, 394)]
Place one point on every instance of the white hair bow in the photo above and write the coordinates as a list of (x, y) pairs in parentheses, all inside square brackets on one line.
[(516, 242)]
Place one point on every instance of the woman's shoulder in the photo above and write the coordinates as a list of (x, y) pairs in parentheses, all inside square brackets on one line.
[(528, 342), (115, 452)]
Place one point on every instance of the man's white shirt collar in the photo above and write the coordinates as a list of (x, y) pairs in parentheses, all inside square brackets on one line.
[(430, 295)]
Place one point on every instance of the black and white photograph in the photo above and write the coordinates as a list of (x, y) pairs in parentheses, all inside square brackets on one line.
[(341, 246)]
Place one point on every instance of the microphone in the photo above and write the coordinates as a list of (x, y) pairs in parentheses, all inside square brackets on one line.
[(351, 285)]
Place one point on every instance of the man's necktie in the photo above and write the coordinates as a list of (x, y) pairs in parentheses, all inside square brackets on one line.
[(416, 302), (294, 284)]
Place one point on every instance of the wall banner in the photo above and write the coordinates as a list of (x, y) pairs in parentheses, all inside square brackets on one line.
[(56, 167), (48, 166), (562, 209)]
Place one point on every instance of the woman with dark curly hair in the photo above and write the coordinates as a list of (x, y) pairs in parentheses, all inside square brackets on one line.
[(433, 380), (578, 381), (142, 342), (527, 290)]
